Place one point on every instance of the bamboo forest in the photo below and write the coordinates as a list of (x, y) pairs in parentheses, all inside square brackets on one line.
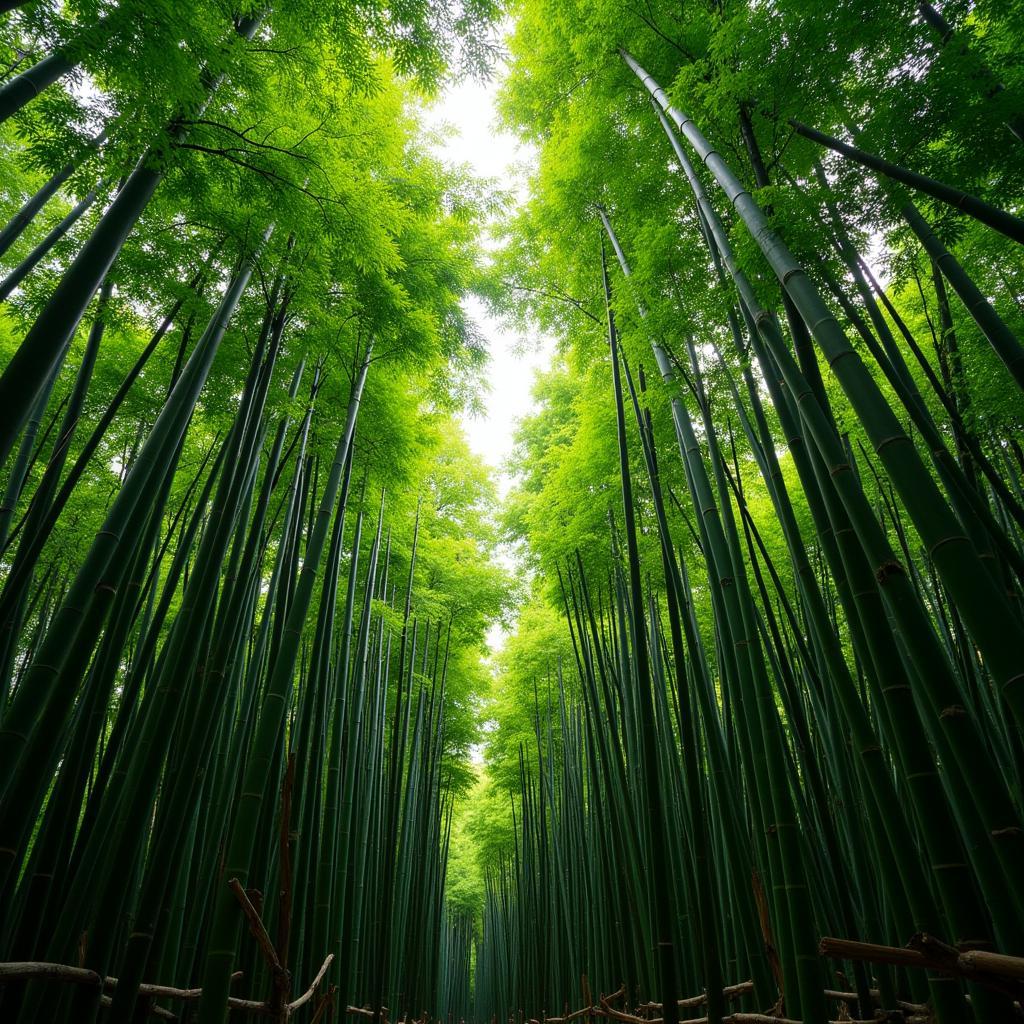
[(512, 511)]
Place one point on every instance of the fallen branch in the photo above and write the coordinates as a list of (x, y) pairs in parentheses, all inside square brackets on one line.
[(870, 952), (156, 1011), (583, 1011), (22, 970), (730, 992), (999, 964), (762, 1018), (33, 970), (765, 1018), (29, 969), (996, 971), (927, 951), (309, 993), (852, 997), (627, 1018)]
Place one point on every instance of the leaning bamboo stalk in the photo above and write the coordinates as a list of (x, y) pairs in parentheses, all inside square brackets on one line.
[(1004, 342), (42, 497), (1002, 221), (760, 323), (170, 689), (652, 786), (17, 224), (40, 251), (33, 545), (985, 80), (28, 453), (690, 737), (40, 709), (62, 60), (989, 616), (242, 838)]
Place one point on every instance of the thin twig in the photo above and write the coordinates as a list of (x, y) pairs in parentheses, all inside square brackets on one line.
[(259, 932), (308, 994)]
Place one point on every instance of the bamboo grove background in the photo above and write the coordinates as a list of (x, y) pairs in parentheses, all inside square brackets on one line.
[(246, 550), (773, 488), (767, 681)]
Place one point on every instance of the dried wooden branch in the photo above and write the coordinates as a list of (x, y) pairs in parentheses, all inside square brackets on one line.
[(169, 992), (18, 971), (311, 991), (766, 1018), (30, 969), (927, 951), (27, 970), (326, 1004), (156, 1011), (762, 1018), (259, 932), (852, 997), (999, 964), (730, 992), (627, 1018)]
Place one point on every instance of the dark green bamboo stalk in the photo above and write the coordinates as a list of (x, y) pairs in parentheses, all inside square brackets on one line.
[(56, 233), (44, 701), (1003, 341), (1003, 222), (28, 210), (986, 611), (226, 925), (655, 813)]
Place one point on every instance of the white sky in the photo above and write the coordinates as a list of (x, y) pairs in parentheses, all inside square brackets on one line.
[(467, 108)]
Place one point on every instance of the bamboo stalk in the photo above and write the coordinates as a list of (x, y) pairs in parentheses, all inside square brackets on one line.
[(1002, 221)]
